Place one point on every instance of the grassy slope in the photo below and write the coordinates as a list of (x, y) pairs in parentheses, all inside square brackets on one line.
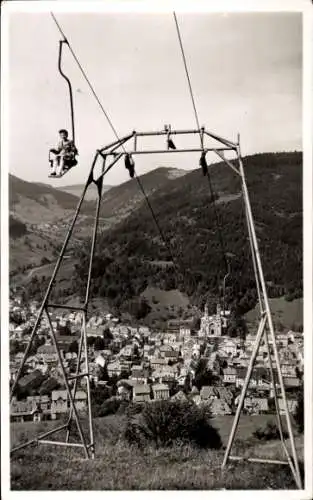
[(287, 313), (118, 466)]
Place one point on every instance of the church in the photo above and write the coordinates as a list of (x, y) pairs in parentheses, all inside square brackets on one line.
[(215, 325)]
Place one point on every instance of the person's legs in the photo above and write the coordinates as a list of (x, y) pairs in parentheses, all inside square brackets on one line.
[(61, 164), (54, 165)]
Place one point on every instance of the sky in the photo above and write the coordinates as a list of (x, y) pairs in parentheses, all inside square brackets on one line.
[(245, 71)]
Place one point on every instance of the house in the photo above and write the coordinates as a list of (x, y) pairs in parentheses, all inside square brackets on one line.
[(295, 337), (181, 380), (179, 396), (114, 368), (231, 347), (169, 339), (42, 402), (292, 382), (208, 392), (171, 356), (148, 352), (256, 404), (70, 355), (288, 369), (60, 402), (47, 353), (156, 363), (125, 365), (144, 330), (230, 375), (291, 404), (160, 391), (100, 361), (184, 332), (93, 331), (21, 411), (219, 407), (174, 325), (141, 393), (139, 374), (225, 393), (33, 408), (281, 340), (127, 351)]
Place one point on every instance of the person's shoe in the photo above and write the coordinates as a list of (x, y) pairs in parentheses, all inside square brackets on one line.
[(53, 173)]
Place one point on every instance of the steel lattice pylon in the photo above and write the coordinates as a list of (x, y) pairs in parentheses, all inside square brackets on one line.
[(114, 154)]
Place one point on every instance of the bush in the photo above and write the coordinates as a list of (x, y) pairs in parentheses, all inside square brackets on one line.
[(268, 432), (108, 407), (165, 422)]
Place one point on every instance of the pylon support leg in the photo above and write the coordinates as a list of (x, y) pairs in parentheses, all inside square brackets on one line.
[(244, 389), (266, 317), (69, 392), (258, 460), (260, 298), (35, 440), (88, 448)]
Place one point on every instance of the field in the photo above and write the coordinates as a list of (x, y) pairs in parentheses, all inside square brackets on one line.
[(118, 466), (289, 314)]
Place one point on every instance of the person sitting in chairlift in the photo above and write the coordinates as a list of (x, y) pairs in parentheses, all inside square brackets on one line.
[(64, 154)]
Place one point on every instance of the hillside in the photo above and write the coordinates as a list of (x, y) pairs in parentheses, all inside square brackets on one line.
[(40, 214), (131, 256), (77, 189), (38, 221), (121, 200), (34, 203)]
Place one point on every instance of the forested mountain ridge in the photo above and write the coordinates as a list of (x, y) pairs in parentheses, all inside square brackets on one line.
[(132, 255)]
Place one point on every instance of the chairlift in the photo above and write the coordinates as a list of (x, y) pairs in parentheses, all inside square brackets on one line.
[(63, 157)]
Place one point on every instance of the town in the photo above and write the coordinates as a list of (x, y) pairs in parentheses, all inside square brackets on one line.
[(128, 363)]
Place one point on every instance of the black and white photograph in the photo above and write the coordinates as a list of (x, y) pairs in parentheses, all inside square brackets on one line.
[(156, 248)]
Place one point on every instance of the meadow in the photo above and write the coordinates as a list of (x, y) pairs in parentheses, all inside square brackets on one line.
[(119, 466)]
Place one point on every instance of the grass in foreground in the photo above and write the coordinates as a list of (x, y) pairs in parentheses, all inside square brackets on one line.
[(118, 466)]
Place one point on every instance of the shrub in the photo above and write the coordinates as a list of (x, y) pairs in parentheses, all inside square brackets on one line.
[(268, 432), (108, 407), (165, 422)]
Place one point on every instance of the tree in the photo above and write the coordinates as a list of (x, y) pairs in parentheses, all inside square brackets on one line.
[(37, 342), (187, 383), (73, 347), (64, 330), (125, 374), (107, 337), (15, 347), (139, 308), (164, 422), (49, 385), (103, 373), (203, 376), (99, 344), (107, 334), (91, 340)]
